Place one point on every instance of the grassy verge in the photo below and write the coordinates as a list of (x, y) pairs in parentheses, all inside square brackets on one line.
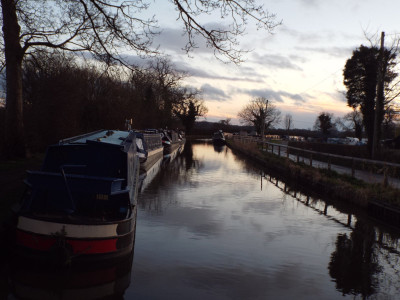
[(322, 181)]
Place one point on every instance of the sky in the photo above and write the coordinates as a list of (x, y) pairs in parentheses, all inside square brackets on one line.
[(299, 67)]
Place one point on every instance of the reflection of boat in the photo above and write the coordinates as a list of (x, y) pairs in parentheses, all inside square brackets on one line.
[(149, 147), (97, 281), (82, 204), (218, 138), (172, 155), (218, 147), (147, 176), (172, 140)]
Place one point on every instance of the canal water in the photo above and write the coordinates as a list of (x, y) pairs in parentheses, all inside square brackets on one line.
[(212, 225)]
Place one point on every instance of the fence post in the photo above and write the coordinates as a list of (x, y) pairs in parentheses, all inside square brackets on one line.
[(385, 176), (297, 157), (287, 151), (329, 162), (353, 171), (310, 159), (279, 150)]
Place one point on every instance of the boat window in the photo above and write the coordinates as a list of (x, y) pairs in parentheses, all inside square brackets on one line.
[(139, 144), (56, 203)]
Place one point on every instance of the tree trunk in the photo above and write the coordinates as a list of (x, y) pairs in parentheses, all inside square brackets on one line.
[(14, 125), (380, 97)]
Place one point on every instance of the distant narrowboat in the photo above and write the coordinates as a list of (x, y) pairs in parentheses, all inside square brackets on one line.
[(218, 138)]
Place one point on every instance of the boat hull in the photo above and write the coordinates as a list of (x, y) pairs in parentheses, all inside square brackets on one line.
[(153, 156), (64, 242)]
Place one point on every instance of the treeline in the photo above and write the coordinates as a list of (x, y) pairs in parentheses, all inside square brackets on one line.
[(66, 96)]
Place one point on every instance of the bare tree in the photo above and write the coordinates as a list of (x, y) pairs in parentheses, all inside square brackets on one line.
[(167, 80), (226, 122), (106, 29), (288, 121), (261, 114), (353, 121)]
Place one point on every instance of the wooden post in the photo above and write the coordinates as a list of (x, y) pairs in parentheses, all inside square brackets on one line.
[(311, 160), (329, 162), (349, 220), (385, 176), (326, 209), (297, 157), (287, 151), (353, 171), (279, 151)]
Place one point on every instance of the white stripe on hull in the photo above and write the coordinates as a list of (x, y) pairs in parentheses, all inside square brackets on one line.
[(155, 151), (71, 230)]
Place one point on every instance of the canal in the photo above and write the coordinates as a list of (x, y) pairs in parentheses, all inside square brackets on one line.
[(211, 225)]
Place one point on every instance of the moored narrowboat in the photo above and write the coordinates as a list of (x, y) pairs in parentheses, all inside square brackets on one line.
[(149, 147), (82, 203), (218, 138), (172, 140)]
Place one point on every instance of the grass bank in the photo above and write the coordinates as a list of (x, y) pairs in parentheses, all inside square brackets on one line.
[(322, 181)]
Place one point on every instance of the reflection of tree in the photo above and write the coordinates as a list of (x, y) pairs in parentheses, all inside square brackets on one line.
[(354, 264), (188, 155)]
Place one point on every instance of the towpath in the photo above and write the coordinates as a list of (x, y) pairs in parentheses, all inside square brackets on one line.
[(366, 176)]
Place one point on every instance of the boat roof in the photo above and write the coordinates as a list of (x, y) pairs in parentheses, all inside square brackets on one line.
[(115, 137)]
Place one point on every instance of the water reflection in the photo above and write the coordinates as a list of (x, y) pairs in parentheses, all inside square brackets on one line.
[(354, 264), (176, 169), (30, 280), (219, 148), (212, 225), (215, 226), (358, 262)]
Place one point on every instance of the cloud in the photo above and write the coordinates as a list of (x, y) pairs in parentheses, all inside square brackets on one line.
[(275, 61), (202, 73), (213, 93), (309, 37), (310, 3), (276, 96), (332, 51)]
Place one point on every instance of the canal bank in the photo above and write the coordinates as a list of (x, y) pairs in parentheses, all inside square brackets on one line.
[(381, 202)]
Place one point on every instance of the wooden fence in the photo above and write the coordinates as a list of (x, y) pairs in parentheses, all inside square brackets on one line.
[(353, 163)]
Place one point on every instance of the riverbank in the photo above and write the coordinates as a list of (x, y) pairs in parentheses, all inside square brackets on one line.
[(323, 181)]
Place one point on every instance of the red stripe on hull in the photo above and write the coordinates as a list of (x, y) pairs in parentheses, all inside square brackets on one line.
[(34, 241), (93, 246), (45, 243)]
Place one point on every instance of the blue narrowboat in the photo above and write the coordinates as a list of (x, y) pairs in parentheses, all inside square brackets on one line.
[(83, 201)]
